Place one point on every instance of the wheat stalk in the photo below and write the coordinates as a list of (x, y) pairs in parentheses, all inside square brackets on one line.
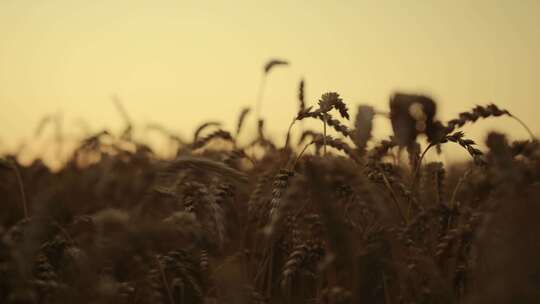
[(12, 165), (218, 134), (491, 110), (267, 68), (457, 137), (204, 164), (204, 126), (301, 97), (241, 119)]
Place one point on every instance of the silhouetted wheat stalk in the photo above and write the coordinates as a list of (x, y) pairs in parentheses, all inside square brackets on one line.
[(218, 134), (267, 68), (11, 165), (491, 110), (204, 126), (241, 120)]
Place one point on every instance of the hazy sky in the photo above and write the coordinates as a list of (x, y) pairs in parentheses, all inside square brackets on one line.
[(183, 62)]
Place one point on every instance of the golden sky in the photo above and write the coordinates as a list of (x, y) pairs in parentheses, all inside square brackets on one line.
[(179, 62)]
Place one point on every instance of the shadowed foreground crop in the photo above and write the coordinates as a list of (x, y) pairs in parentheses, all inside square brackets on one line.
[(317, 220)]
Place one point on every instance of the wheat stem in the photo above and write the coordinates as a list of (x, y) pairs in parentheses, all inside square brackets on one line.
[(533, 138), (385, 289), (416, 174), (458, 185), (288, 138), (324, 133), (260, 93), (164, 279), (454, 194), (21, 188), (300, 155), (394, 197)]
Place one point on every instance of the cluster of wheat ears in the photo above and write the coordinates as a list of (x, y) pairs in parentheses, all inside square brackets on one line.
[(319, 220)]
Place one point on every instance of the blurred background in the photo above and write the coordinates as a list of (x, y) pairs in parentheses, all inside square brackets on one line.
[(180, 63)]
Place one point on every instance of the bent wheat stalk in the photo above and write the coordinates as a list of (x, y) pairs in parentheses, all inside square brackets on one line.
[(458, 138)]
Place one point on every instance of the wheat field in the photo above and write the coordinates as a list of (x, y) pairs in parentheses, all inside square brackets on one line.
[(329, 216)]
